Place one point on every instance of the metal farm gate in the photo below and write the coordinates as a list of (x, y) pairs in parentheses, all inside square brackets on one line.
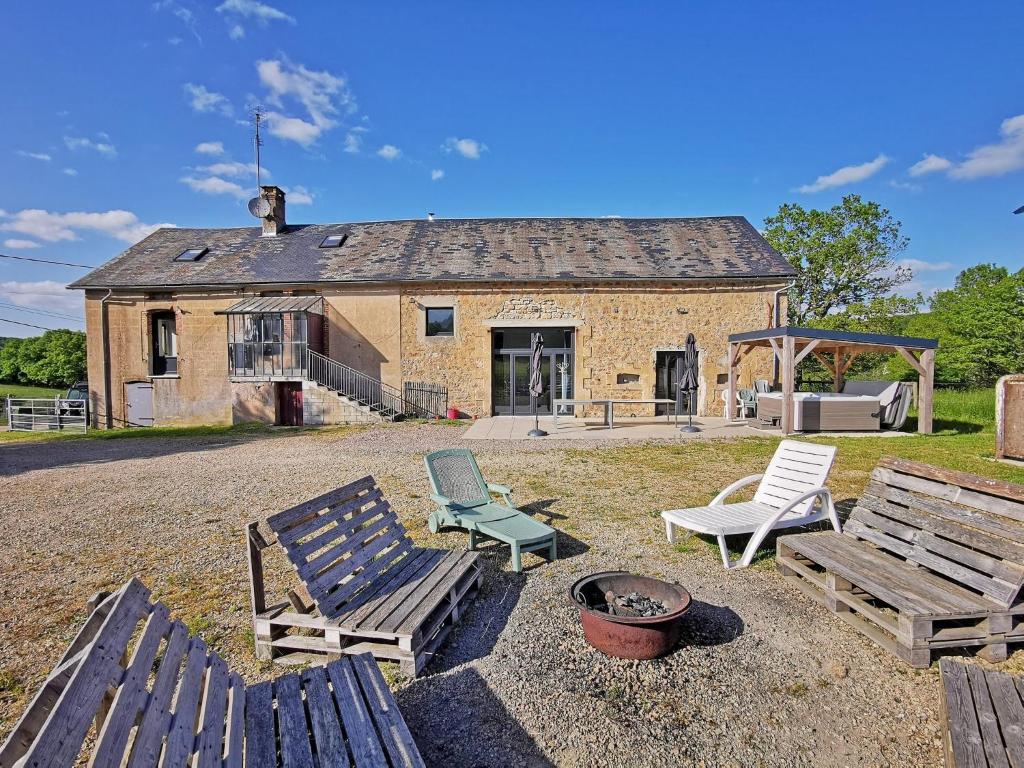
[(35, 414)]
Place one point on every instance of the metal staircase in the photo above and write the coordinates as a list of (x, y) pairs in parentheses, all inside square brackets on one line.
[(358, 387)]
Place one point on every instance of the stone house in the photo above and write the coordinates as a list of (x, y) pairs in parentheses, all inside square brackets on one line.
[(326, 323)]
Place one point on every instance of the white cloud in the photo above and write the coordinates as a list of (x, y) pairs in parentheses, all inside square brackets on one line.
[(322, 94), (354, 139), (43, 294), (929, 164), (848, 174), (55, 227), (468, 148), (210, 148), (292, 128), (436, 175), (904, 185), (997, 159), (203, 99), (232, 168), (21, 244), (251, 9), (298, 195), (917, 265), (214, 185), (237, 32), (80, 142), (389, 152), (182, 13), (69, 171), (35, 155)]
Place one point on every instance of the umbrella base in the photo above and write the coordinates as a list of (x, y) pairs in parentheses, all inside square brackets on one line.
[(536, 433), (689, 428)]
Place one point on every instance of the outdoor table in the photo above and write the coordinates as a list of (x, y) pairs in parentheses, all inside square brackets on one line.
[(609, 407)]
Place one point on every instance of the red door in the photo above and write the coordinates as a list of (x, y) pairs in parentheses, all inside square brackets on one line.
[(289, 403)]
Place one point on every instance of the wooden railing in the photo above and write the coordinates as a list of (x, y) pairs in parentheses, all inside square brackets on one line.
[(425, 400)]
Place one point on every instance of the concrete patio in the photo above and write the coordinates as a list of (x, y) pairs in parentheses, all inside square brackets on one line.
[(628, 428)]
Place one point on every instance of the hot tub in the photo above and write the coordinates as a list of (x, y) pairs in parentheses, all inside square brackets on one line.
[(824, 411)]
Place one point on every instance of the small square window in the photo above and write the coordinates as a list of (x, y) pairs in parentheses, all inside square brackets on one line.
[(192, 254), (440, 321), (334, 241)]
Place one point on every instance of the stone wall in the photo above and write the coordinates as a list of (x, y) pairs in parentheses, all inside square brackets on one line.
[(321, 406), (255, 401), (198, 394), (619, 330)]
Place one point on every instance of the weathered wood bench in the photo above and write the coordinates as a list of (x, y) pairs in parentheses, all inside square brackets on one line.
[(367, 587), (134, 689), (930, 559), (984, 716)]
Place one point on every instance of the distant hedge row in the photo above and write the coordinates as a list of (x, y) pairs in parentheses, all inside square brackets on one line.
[(55, 359)]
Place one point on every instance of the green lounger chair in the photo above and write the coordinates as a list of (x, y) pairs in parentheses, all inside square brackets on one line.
[(464, 501)]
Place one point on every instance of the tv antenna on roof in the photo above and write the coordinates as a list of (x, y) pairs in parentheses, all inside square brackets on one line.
[(257, 118), (259, 206)]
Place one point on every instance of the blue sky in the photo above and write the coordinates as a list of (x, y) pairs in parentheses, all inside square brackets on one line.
[(124, 116)]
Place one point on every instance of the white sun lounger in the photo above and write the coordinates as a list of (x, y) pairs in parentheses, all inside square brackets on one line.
[(791, 492)]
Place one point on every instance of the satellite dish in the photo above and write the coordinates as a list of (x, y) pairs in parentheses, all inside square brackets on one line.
[(259, 207)]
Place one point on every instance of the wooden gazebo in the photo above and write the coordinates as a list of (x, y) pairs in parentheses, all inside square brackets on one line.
[(836, 350)]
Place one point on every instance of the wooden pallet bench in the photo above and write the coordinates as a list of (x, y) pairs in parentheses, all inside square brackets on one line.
[(134, 689), (984, 716), (930, 559), (364, 586)]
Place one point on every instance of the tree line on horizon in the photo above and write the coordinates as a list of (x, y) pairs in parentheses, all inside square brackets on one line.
[(847, 258), (54, 359)]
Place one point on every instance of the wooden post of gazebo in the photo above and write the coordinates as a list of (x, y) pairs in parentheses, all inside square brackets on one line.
[(788, 384)]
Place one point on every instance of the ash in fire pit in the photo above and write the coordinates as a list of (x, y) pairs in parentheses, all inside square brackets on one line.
[(633, 604)]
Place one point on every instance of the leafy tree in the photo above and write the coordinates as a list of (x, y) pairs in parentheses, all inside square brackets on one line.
[(9, 360), (57, 358), (979, 323), (845, 256)]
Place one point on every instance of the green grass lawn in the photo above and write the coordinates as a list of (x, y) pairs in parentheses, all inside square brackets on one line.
[(24, 390)]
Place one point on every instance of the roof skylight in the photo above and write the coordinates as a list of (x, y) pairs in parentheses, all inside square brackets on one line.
[(192, 254), (334, 241)]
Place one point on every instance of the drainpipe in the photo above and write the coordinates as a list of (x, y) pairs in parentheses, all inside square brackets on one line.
[(778, 322), (105, 336)]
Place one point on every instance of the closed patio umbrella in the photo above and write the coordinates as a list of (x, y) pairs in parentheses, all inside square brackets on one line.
[(688, 381), (536, 381)]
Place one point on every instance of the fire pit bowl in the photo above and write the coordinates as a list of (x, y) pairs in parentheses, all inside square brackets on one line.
[(629, 636)]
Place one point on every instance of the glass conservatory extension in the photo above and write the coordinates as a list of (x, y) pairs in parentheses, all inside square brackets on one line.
[(268, 336)]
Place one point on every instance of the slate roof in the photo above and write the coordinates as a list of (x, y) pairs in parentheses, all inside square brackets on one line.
[(563, 249)]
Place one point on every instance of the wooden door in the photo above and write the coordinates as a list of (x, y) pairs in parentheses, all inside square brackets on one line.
[(289, 403)]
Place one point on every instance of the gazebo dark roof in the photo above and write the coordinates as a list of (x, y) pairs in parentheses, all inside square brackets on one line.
[(845, 337)]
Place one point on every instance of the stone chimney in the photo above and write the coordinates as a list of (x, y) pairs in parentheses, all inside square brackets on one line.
[(274, 222)]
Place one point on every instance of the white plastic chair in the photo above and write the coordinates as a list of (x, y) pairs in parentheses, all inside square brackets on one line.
[(791, 492)]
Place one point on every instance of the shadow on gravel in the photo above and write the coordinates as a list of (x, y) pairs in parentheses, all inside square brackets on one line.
[(707, 624), (19, 457), (479, 629), (458, 721)]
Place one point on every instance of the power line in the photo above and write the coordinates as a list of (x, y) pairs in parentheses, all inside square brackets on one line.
[(33, 310), (28, 325), (46, 261)]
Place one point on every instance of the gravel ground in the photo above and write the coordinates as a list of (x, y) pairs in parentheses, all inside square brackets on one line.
[(763, 677)]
